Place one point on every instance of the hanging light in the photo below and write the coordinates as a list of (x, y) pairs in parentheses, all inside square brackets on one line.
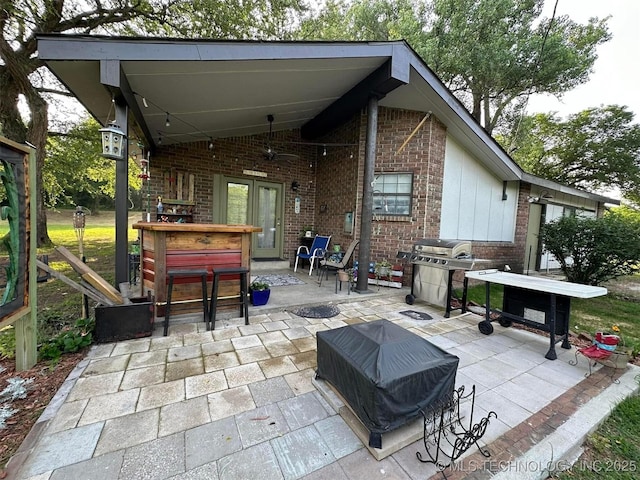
[(324, 151), (167, 122), (112, 141)]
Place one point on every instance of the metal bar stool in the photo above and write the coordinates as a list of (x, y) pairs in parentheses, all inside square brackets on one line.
[(243, 272), (190, 273)]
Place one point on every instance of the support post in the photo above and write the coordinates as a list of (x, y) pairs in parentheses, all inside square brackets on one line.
[(122, 203), (26, 327), (366, 218)]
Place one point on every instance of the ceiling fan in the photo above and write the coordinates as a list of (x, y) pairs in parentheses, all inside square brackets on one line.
[(268, 151)]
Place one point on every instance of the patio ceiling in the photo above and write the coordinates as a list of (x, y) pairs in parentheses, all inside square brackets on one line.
[(217, 89)]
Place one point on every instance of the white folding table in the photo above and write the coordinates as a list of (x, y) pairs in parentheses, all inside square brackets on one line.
[(538, 290)]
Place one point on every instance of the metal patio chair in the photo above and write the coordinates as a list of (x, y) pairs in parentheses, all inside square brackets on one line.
[(315, 252), (328, 264)]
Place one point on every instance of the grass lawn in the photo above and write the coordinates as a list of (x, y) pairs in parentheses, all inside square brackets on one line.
[(613, 451), (59, 305)]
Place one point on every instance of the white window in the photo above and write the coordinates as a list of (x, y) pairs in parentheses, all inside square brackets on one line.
[(392, 194)]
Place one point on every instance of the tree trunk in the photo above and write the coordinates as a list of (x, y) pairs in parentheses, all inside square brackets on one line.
[(477, 106), (36, 134), (487, 124), (10, 125)]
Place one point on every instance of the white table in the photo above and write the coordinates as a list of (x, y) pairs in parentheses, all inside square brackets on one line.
[(552, 291)]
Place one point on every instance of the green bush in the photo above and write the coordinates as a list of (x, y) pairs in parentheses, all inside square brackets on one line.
[(69, 340), (594, 250)]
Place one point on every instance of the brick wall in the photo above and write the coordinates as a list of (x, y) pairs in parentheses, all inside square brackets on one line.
[(233, 155), (332, 184)]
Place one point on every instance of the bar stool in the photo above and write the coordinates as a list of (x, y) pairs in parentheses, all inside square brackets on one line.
[(243, 272), (190, 273)]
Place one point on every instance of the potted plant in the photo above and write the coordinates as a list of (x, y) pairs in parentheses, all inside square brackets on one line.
[(621, 354), (307, 231), (343, 275), (259, 293), (383, 268)]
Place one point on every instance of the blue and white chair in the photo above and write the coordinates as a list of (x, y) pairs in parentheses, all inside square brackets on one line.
[(317, 251)]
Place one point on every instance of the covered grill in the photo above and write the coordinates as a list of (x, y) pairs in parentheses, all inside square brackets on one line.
[(386, 374), (434, 262)]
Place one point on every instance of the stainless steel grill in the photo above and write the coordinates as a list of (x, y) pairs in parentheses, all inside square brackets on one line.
[(434, 262), (443, 254)]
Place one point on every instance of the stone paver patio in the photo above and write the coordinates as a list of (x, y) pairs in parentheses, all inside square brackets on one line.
[(239, 402)]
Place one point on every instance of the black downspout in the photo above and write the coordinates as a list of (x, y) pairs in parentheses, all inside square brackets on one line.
[(122, 202), (366, 218)]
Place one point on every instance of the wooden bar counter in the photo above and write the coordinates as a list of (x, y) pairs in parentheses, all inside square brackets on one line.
[(166, 246)]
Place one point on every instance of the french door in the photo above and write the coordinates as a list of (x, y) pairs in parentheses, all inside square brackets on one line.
[(258, 203)]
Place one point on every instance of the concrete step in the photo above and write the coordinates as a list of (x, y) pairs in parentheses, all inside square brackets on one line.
[(268, 265)]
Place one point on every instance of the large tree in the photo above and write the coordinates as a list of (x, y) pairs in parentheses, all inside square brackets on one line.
[(597, 149), (75, 172), (22, 73), (498, 52), (492, 54), (367, 20)]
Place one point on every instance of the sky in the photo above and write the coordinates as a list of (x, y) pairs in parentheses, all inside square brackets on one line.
[(616, 72)]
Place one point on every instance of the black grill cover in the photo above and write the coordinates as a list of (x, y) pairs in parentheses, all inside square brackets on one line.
[(386, 373)]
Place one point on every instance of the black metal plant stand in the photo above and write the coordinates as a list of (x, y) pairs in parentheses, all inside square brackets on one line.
[(445, 431)]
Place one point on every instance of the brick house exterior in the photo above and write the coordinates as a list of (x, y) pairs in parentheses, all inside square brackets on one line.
[(331, 185), (325, 96)]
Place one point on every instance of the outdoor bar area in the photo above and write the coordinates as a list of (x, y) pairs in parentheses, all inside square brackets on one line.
[(166, 246)]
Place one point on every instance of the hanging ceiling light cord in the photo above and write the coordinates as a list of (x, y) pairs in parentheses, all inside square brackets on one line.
[(146, 102)]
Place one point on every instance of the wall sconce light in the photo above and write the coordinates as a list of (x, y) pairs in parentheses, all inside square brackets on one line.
[(112, 142), (295, 186)]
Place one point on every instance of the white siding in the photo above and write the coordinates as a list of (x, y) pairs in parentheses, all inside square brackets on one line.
[(472, 205)]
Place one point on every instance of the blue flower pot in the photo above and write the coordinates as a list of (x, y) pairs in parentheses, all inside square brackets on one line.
[(259, 297)]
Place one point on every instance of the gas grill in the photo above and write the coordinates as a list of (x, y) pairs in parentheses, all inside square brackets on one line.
[(434, 262)]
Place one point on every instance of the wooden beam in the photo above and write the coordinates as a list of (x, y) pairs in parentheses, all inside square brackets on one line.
[(415, 130), (97, 282), (89, 293), (192, 187), (179, 186), (90, 276)]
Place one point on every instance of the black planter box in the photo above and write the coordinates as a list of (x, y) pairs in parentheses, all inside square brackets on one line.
[(124, 322)]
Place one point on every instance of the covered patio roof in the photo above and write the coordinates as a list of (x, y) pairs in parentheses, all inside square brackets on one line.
[(216, 89)]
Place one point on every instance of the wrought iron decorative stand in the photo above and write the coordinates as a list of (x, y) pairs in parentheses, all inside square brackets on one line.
[(444, 429)]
